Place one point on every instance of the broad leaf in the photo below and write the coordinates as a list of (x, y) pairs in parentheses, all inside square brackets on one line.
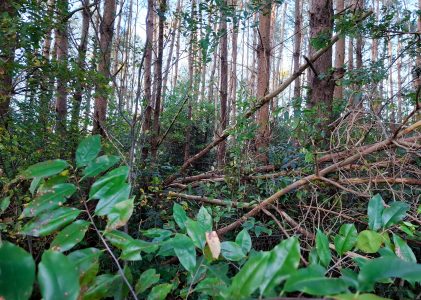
[(379, 269), (87, 262), (322, 248), (196, 232), (369, 241), (110, 195), (17, 272), (394, 214), (70, 236), (102, 184), (118, 238), (358, 297), (346, 239), (204, 219), (88, 150), (232, 251), (244, 240), (45, 168), (160, 291), (375, 210), (185, 251), (402, 250), (49, 222), (99, 165), (58, 276), (4, 204), (179, 215), (120, 214), (157, 234), (146, 280), (102, 287), (214, 244), (211, 286)]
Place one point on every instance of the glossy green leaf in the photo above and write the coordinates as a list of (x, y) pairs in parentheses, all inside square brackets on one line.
[(211, 286), (146, 280), (131, 251), (244, 240), (160, 292), (369, 241), (185, 251), (54, 198), (196, 232), (88, 150), (4, 204), (58, 276), (99, 165), (379, 269), (45, 168), (34, 184), (118, 238), (70, 236), (232, 251), (110, 195), (311, 281), (375, 210), (358, 297), (250, 277), (402, 250), (157, 234), (17, 272), (120, 214), (394, 214), (204, 219), (50, 221), (346, 239), (179, 215), (322, 248), (102, 184), (87, 262), (282, 262), (102, 287)]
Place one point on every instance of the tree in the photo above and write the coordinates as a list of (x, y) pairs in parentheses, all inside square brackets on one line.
[(339, 53), (105, 44)]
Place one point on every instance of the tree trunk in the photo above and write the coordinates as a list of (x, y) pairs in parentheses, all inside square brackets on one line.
[(263, 74), (62, 40), (105, 45), (322, 83), (339, 53), (223, 88), (297, 46), (233, 91)]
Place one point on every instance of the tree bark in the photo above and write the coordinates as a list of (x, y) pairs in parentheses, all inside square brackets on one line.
[(339, 54), (263, 74), (297, 46), (105, 45)]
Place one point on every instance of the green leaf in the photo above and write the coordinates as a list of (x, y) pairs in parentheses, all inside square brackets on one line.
[(99, 165), (394, 214), (402, 249), (17, 272), (118, 238), (102, 184), (120, 214), (204, 219), (196, 232), (185, 251), (244, 240), (358, 297), (232, 251), (49, 222), (88, 150), (369, 241), (58, 276), (346, 239), (210, 286), (311, 281), (249, 278), (179, 215), (282, 262), (110, 195), (87, 262), (160, 291), (379, 269), (4, 204), (157, 234), (102, 287), (375, 210), (34, 184), (70, 236), (322, 248), (146, 280), (45, 168), (131, 251), (51, 200)]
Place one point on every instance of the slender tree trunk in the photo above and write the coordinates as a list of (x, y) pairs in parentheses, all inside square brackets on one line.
[(62, 40), (263, 74), (391, 89), (297, 46), (359, 43), (339, 54), (158, 79), (105, 45), (418, 59), (177, 54), (233, 91), (223, 88), (321, 95), (7, 57)]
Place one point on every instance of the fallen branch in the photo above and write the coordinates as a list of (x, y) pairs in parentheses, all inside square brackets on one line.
[(375, 180), (211, 200)]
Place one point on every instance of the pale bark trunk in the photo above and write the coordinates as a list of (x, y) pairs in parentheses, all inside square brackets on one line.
[(339, 54), (297, 46)]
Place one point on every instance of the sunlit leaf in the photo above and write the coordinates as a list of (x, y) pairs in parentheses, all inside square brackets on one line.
[(244, 240), (88, 150), (179, 215), (346, 239), (45, 168), (70, 236), (196, 232), (369, 241), (204, 219), (120, 214)]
